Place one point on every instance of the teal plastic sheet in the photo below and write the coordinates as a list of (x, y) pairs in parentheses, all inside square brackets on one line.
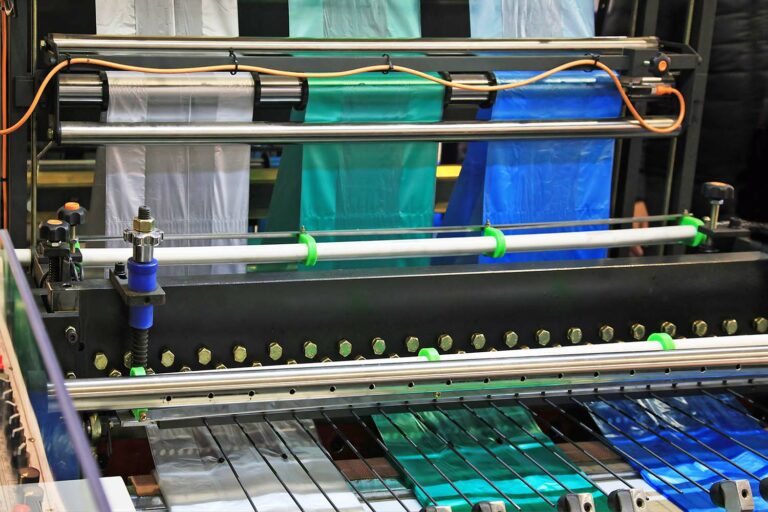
[(505, 433), (337, 19), (333, 186)]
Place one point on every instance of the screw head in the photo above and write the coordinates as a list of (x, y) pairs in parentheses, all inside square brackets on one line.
[(167, 358), (669, 328), (445, 342), (275, 351), (638, 331), (606, 333), (128, 359), (543, 337), (100, 360), (510, 338), (239, 353), (114, 372), (204, 356), (412, 344), (730, 326), (699, 327), (344, 348), (477, 340), (310, 349), (760, 324), (378, 345), (575, 335)]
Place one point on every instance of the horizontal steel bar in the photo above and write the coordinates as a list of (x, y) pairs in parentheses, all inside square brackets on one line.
[(74, 43), (79, 133)]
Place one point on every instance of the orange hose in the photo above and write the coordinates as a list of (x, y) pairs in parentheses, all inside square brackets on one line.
[(4, 108), (367, 69)]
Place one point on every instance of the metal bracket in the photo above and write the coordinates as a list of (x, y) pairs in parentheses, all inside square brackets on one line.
[(131, 298), (576, 502), (733, 495), (489, 506), (628, 500)]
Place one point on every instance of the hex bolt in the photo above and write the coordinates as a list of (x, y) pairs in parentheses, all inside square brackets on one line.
[(167, 358), (638, 331), (606, 333), (510, 338), (71, 335), (477, 341), (291, 361), (445, 342), (699, 327), (128, 359), (310, 349), (70, 375), (221, 366), (275, 351), (575, 335), (344, 348), (326, 359), (543, 337), (255, 363), (149, 371), (204, 356), (760, 324), (730, 326), (378, 345), (239, 353), (114, 372), (412, 344), (669, 328), (185, 368), (100, 360)]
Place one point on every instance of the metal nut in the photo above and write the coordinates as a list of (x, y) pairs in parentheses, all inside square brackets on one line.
[(70, 375), (114, 372), (239, 353), (760, 324), (638, 331), (143, 225), (128, 359), (167, 358), (477, 340), (543, 337), (204, 356), (445, 342), (699, 327), (136, 238), (344, 347), (100, 360), (185, 368), (575, 335), (510, 338), (255, 363), (275, 351), (606, 333), (412, 344), (149, 371), (730, 326), (378, 345), (326, 359), (310, 349), (669, 328), (221, 366)]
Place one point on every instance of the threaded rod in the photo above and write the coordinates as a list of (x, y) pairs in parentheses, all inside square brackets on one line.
[(139, 346)]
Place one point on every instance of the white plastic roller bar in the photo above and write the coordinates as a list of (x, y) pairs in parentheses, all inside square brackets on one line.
[(385, 249)]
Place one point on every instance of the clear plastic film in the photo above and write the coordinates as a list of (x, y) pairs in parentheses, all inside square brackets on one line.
[(167, 17), (336, 19), (531, 18), (360, 185), (667, 465), (511, 182), (510, 443)]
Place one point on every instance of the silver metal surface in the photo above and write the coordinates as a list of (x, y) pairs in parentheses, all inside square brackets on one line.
[(466, 95), (80, 88), (279, 89), (79, 133), (75, 44)]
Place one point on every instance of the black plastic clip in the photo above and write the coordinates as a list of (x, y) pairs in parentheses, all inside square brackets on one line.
[(68, 58), (234, 61), (595, 57), (388, 62)]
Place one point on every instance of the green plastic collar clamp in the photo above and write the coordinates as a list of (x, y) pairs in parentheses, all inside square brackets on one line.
[(309, 241), (501, 242), (139, 414), (664, 339), (690, 220), (430, 353)]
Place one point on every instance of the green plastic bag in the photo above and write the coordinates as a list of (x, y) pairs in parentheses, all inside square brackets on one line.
[(513, 423), (355, 18)]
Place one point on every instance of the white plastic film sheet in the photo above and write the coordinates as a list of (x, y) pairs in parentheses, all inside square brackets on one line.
[(532, 18), (194, 188)]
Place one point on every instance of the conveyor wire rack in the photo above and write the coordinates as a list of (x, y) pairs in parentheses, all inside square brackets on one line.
[(351, 441)]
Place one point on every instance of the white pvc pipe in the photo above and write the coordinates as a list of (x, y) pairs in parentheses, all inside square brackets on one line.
[(380, 249)]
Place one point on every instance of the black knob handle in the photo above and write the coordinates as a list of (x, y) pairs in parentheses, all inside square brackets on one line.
[(717, 191), (72, 213), (54, 230)]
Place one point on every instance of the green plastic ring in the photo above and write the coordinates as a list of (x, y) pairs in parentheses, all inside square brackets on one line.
[(501, 241), (664, 339), (309, 241), (690, 220), (430, 353)]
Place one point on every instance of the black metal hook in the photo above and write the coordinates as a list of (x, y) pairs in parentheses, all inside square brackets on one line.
[(234, 61), (595, 57), (68, 58), (388, 62)]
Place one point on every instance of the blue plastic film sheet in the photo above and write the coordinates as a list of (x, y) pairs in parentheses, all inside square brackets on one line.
[(504, 444), (657, 433), (522, 181)]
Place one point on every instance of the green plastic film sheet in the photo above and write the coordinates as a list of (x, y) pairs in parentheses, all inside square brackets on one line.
[(483, 437), (330, 186), (355, 18)]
